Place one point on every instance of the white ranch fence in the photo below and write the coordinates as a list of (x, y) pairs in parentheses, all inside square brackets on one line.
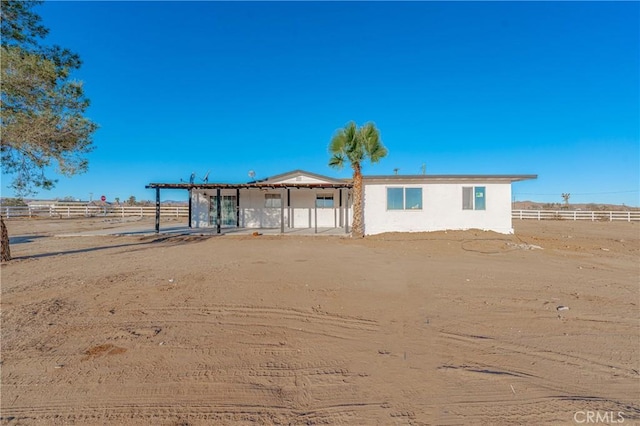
[(594, 216), (62, 211), (67, 211)]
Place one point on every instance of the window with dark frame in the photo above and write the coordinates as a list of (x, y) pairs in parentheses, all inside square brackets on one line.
[(324, 201), (395, 198), (473, 198), (404, 198), (272, 200), (413, 198)]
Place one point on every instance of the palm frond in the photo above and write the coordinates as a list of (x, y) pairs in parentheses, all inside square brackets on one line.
[(377, 154), (356, 145), (370, 133), (374, 148), (336, 161), (338, 142), (355, 150)]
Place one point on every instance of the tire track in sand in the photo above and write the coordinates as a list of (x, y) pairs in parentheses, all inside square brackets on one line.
[(243, 354)]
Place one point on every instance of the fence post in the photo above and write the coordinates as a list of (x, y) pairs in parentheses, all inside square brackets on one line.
[(593, 216), (29, 212), (141, 214), (520, 214), (610, 216), (628, 216), (538, 214), (7, 213)]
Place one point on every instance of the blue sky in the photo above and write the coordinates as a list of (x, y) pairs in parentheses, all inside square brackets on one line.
[(466, 88)]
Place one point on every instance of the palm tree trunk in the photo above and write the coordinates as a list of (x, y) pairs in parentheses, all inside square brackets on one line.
[(5, 256), (357, 227)]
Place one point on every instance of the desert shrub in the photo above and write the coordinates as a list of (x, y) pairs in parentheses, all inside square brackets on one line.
[(12, 202)]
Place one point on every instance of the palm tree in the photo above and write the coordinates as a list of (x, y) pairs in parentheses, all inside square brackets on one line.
[(356, 145)]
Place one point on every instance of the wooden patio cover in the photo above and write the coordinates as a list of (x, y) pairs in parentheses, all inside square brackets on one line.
[(238, 186)]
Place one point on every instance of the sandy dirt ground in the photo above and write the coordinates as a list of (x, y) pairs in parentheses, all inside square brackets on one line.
[(397, 329)]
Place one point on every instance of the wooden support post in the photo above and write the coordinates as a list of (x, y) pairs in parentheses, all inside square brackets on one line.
[(218, 211), (237, 207), (281, 212), (289, 224), (340, 206), (315, 213), (346, 211), (190, 207), (157, 210)]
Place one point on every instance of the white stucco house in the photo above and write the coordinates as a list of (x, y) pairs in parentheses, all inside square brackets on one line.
[(302, 199), (392, 203)]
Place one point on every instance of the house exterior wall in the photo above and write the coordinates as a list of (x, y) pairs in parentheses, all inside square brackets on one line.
[(302, 212), (199, 210), (441, 208), (442, 204), (254, 214)]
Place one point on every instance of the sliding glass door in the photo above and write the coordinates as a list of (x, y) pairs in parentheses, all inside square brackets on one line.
[(227, 210)]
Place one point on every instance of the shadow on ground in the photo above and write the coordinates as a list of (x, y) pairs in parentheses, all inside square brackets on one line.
[(23, 239), (142, 244)]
